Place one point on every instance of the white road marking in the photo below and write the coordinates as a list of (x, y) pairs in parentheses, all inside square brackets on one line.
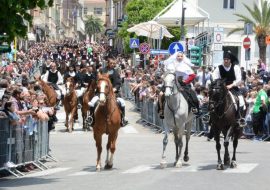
[(129, 130), (47, 172), (242, 168), (82, 173), (139, 169), (192, 167)]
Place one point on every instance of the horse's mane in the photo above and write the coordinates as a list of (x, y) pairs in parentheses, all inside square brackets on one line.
[(107, 79)]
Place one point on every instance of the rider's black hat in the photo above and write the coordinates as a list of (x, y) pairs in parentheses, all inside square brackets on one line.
[(226, 55)]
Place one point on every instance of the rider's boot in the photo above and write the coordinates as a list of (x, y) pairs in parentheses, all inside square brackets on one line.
[(161, 103), (79, 106), (241, 120), (124, 122), (91, 118), (62, 99)]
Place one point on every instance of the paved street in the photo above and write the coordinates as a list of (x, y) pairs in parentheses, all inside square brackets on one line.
[(136, 163)]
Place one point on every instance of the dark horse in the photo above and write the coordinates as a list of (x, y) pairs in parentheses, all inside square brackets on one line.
[(223, 119)]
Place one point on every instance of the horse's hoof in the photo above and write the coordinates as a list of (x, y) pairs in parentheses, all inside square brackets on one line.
[(107, 167), (163, 164), (98, 169), (186, 158), (178, 164), (227, 162), (220, 167), (233, 164)]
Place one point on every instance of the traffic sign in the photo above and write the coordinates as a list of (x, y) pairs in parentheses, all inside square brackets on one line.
[(134, 43), (144, 48), (175, 47), (159, 51), (267, 40), (246, 43)]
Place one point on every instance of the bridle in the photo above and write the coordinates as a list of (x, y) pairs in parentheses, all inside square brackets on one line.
[(216, 104), (172, 93)]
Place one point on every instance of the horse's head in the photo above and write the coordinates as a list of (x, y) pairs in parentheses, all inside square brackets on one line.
[(217, 92), (169, 81), (104, 88), (70, 85)]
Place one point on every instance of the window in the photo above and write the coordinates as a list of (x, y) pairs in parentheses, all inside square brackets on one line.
[(85, 10), (98, 11), (228, 4)]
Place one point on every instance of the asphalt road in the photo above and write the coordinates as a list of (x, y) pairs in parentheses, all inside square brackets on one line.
[(136, 163)]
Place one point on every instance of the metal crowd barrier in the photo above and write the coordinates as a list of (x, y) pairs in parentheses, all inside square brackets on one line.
[(149, 114), (22, 145)]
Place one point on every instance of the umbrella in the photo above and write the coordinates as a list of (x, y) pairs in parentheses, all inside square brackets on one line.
[(151, 29)]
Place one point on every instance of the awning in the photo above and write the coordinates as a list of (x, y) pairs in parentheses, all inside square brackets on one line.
[(172, 15)]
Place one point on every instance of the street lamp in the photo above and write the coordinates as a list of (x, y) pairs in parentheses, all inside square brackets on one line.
[(183, 20)]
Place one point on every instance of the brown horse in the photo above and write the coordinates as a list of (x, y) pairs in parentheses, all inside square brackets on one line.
[(87, 96), (107, 120), (48, 91), (70, 103)]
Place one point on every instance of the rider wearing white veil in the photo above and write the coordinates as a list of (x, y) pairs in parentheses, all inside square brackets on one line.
[(179, 64)]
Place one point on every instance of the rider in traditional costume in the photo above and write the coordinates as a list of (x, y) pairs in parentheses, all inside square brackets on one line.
[(181, 66), (55, 78), (232, 74), (116, 83)]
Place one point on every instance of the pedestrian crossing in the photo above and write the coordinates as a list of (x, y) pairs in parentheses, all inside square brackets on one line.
[(242, 168)]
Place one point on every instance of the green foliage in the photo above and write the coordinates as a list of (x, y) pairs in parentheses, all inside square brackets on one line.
[(260, 18), (139, 11), (14, 13), (93, 25), (175, 31)]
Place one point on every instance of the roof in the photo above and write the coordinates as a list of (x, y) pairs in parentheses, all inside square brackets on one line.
[(172, 15)]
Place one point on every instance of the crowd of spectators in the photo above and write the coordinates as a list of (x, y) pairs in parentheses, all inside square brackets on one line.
[(145, 84)]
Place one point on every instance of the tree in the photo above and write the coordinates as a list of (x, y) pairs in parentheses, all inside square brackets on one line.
[(13, 15), (139, 11), (93, 25), (260, 18)]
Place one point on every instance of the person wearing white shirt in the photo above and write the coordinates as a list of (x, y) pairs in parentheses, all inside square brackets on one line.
[(232, 75), (54, 77), (179, 64)]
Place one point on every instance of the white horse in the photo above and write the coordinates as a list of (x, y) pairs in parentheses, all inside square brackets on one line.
[(176, 117)]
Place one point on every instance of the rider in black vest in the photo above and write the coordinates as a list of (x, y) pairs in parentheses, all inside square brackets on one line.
[(232, 75), (55, 78), (116, 83)]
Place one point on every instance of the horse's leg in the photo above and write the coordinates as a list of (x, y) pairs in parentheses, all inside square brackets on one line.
[(178, 145), (226, 145), (98, 139), (220, 165), (83, 118), (71, 121), (111, 148), (188, 127), (163, 163), (235, 143), (66, 123)]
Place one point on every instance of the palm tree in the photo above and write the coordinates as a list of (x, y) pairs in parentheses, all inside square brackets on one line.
[(260, 18), (93, 25)]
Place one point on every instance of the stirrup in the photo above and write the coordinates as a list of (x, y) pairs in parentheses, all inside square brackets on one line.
[(206, 118), (89, 120), (194, 110), (242, 122)]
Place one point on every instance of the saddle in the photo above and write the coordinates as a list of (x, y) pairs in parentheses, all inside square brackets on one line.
[(54, 86), (189, 95)]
